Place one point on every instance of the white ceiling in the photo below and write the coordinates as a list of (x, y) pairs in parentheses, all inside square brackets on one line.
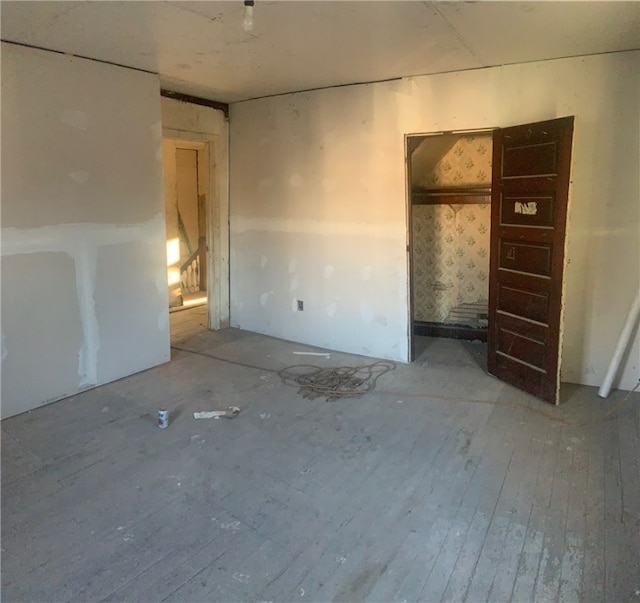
[(200, 48)]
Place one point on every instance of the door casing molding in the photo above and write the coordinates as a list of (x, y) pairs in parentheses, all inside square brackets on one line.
[(217, 203)]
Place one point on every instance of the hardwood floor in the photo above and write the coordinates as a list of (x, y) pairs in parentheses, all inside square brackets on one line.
[(442, 484)]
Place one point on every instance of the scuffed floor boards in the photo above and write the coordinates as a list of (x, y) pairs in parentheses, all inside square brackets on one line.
[(443, 483)]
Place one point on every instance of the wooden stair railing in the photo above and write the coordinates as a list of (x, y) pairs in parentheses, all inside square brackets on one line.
[(193, 272)]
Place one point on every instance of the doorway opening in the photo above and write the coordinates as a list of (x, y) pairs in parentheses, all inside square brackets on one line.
[(449, 177), (487, 221), (186, 181)]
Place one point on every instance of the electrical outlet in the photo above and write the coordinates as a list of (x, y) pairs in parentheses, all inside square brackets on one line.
[(300, 305)]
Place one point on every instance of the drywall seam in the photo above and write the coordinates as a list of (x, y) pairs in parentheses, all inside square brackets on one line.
[(74, 236), (86, 263), (81, 243), (5, 352), (390, 230)]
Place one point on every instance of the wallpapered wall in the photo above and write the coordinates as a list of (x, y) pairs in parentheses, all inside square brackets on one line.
[(468, 162), (451, 242)]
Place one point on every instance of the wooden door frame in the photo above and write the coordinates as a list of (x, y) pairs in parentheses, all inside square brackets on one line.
[(217, 206), (409, 213)]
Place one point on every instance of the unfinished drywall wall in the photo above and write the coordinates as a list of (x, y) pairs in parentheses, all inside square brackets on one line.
[(187, 122), (312, 220), (84, 294), (319, 208)]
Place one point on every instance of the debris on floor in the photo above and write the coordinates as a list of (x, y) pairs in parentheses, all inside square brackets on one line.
[(335, 383), (313, 354), (228, 413)]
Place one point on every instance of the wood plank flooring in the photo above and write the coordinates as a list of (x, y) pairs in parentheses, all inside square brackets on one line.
[(443, 484)]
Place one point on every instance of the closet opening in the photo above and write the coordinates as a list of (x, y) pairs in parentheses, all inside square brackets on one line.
[(449, 180)]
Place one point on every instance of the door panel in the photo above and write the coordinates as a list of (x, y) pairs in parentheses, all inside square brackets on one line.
[(517, 300), (531, 350), (528, 160), (530, 185), (525, 257)]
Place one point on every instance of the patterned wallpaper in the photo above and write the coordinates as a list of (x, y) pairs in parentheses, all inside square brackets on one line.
[(451, 242), (468, 162), (450, 258)]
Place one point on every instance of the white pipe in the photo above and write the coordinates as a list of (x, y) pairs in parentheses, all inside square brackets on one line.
[(621, 346)]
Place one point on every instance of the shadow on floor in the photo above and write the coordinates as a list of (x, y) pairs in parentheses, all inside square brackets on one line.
[(453, 352)]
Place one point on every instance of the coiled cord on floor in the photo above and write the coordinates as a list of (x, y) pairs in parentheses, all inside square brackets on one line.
[(335, 383), (322, 383)]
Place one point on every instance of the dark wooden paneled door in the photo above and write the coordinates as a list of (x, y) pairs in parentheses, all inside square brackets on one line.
[(530, 186)]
